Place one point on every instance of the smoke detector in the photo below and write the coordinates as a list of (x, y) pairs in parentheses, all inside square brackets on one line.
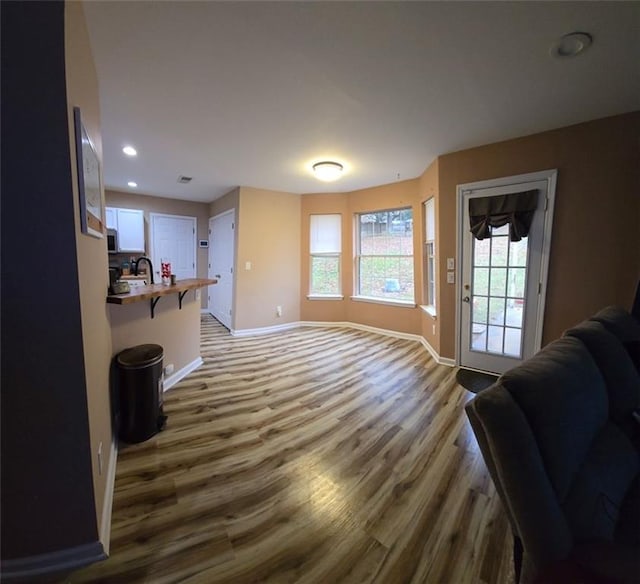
[(184, 179)]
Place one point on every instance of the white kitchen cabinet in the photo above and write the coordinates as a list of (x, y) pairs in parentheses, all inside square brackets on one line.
[(130, 226), (111, 218)]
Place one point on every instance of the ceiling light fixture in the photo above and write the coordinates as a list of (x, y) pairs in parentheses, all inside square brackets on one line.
[(570, 45), (130, 151), (327, 170), (132, 184)]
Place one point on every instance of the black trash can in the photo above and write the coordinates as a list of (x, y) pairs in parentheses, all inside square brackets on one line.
[(140, 382)]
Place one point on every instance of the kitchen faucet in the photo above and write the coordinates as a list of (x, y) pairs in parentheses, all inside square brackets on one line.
[(136, 263)]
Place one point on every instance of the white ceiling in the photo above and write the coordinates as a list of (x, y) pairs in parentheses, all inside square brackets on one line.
[(251, 93)]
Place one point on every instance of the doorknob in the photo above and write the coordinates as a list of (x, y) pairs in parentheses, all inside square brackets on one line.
[(217, 276), (465, 299)]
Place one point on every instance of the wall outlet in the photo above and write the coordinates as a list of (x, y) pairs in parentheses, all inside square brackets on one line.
[(168, 370), (278, 310), (247, 265), (451, 264), (451, 277), (100, 458)]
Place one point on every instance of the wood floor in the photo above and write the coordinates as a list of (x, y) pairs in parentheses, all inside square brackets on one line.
[(318, 455)]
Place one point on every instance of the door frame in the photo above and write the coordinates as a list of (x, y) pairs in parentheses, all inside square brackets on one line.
[(231, 212), (551, 177), (152, 218)]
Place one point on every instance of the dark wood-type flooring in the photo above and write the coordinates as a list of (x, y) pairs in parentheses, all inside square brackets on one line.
[(317, 455)]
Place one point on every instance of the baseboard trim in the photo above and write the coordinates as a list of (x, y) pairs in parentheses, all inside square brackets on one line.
[(170, 381), (107, 505), (61, 561), (264, 330)]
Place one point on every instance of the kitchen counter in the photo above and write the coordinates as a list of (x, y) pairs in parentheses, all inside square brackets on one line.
[(150, 291)]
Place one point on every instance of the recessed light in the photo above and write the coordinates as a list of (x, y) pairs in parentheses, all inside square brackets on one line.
[(570, 45), (130, 151), (132, 184), (328, 170)]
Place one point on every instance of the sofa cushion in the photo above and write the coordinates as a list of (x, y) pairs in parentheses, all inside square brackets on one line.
[(618, 321), (617, 368), (563, 397), (628, 528), (602, 483)]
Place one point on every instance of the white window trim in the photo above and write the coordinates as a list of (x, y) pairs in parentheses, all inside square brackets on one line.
[(429, 308), (374, 300), (325, 297)]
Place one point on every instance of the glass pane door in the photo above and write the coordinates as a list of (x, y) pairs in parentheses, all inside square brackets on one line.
[(498, 287)]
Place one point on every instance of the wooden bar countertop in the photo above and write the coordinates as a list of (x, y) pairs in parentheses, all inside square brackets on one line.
[(139, 293)]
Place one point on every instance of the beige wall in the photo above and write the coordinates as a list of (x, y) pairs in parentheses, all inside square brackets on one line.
[(268, 235), (150, 204), (595, 254), (398, 318), (229, 201), (427, 189), (177, 331), (82, 91)]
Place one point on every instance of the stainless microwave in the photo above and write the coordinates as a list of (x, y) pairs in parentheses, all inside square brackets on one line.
[(112, 241)]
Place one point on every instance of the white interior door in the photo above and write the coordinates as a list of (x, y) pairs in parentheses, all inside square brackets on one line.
[(221, 260), (173, 237), (501, 296)]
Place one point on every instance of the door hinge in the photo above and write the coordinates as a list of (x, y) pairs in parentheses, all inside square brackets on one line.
[(231, 270), (193, 265), (546, 203), (193, 230), (209, 231), (209, 266), (539, 287), (229, 312), (233, 226)]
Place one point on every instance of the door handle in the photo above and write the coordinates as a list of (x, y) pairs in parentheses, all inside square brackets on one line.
[(465, 299)]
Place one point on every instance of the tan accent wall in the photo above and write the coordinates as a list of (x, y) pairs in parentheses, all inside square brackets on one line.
[(391, 196), (82, 91), (427, 189), (150, 204), (268, 236), (595, 255), (177, 331)]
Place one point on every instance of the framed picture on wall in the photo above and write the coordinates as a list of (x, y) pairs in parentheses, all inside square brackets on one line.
[(92, 218)]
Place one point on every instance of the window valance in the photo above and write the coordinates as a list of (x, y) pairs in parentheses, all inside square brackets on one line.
[(516, 209)]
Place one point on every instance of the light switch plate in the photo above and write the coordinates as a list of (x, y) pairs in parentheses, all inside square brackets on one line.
[(247, 265), (451, 264), (451, 277)]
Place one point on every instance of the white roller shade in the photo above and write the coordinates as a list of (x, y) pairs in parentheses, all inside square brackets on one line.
[(430, 220), (326, 234)]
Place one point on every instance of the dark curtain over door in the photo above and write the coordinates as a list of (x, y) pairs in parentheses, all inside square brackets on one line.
[(516, 209)]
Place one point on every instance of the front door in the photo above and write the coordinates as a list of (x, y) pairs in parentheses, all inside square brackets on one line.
[(221, 258), (501, 297), (173, 237)]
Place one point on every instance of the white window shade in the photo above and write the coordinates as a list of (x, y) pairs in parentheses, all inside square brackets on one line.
[(325, 234), (430, 220)]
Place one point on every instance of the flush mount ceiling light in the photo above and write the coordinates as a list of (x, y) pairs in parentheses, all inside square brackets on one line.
[(327, 170), (570, 45), (132, 184), (130, 151)]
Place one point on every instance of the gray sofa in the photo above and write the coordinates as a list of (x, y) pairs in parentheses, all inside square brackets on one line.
[(561, 441)]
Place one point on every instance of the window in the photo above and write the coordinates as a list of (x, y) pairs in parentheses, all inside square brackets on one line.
[(325, 246), (430, 254), (384, 255)]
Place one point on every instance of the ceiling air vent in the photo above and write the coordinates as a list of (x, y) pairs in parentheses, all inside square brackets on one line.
[(184, 179)]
